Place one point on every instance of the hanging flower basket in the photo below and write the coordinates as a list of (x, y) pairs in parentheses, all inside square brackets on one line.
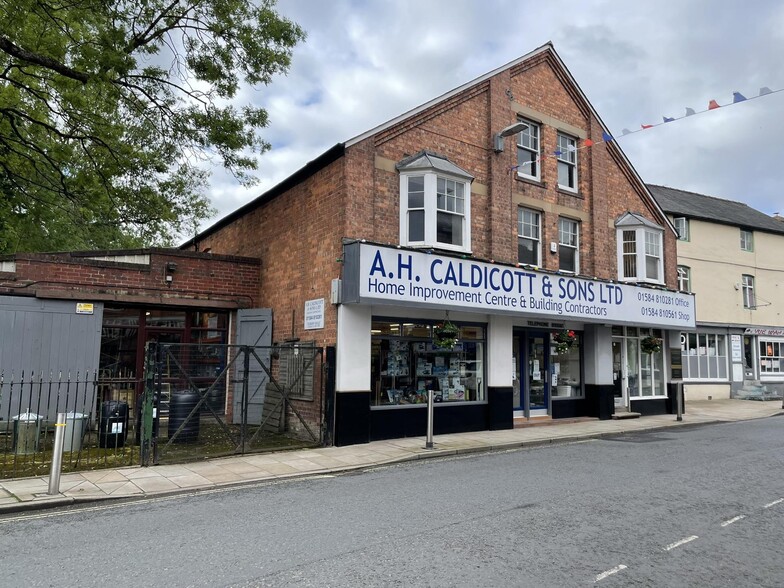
[(651, 344), (564, 340), (445, 335)]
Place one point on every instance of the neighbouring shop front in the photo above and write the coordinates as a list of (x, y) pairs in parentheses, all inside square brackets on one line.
[(527, 344)]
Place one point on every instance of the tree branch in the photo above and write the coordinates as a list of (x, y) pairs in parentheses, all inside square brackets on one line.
[(14, 50)]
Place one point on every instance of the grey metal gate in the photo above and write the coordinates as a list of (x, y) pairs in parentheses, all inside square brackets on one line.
[(211, 400)]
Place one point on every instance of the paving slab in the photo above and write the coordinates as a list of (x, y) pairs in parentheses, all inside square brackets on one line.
[(129, 481)]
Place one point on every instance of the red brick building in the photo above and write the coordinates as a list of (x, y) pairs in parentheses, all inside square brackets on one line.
[(502, 208), (90, 314)]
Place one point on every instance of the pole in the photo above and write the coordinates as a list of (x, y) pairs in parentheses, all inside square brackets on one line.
[(57, 454), (429, 440), (679, 398)]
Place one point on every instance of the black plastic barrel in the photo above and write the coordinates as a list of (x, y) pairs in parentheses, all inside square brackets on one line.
[(113, 424), (181, 404)]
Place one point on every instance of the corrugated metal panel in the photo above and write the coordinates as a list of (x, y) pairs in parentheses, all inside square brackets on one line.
[(139, 259), (46, 338)]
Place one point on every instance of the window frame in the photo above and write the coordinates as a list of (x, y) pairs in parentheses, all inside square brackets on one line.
[(771, 353), (641, 253), (747, 240), (567, 157), (431, 209), (699, 364), (521, 211), (524, 170), (684, 278), (684, 233), (747, 287), (576, 246)]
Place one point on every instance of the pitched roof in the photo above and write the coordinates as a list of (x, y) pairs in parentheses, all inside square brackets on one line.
[(339, 150), (718, 210), (427, 159)]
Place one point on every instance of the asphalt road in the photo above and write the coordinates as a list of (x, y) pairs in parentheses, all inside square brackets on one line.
[(687, 507)]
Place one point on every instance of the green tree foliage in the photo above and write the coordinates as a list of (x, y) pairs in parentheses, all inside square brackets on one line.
[(109, 109)]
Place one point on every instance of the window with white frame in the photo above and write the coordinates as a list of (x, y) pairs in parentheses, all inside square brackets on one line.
[(435, 203), (568, 245), (749, 300), (771, 356), (640, 251), (528, 151), (746, 240), (704, 356), (629, 254), (682, 226), (567, 162), (684, 278), (653, 258), (529, 243)]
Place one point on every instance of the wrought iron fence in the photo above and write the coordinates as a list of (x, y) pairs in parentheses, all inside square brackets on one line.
[(196, 401), (97, 423)]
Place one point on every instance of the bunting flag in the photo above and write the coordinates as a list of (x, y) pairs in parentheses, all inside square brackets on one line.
[(607, 137)]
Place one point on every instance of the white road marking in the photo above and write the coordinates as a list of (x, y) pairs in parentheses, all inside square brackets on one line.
[(615, 570), (733, 520), (672, 546), (774, 503)]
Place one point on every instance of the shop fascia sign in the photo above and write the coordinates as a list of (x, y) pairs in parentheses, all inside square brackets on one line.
[(377, 274), (764, 331)]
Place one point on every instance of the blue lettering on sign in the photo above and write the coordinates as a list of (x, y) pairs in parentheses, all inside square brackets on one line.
[(378, 265), (401, 266), (575, 290)]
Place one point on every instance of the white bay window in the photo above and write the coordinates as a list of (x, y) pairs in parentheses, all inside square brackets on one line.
[(435, 203)]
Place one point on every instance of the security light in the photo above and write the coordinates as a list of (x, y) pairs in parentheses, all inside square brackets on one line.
[(498, 138)]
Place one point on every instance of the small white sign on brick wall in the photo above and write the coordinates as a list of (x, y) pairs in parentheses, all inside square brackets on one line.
[(314, 314)]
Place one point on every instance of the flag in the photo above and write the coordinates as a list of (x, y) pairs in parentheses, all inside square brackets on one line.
[(667, 119), (625, 131), (737, 97), (712, 105), (606, 136), (557, 152), (689, 111), (765, 90), (588, 143), (646, 126)]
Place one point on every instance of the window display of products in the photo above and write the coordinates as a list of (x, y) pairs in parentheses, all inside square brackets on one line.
[(406, 364)]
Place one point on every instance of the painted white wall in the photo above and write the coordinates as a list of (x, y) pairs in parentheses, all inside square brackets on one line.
[(352, 369), (499, 351), (597, 354), (706, 392), (717, 265)]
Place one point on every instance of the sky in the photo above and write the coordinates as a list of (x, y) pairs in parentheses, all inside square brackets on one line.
[(366, 62)]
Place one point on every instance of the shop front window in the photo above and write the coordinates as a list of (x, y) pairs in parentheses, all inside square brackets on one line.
[(565, 368), (406, 364), (771, 356), (704, 356)]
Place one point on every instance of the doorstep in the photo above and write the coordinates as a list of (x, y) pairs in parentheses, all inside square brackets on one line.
[(538, 421)]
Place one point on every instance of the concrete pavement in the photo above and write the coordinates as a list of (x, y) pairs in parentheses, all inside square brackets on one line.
[(128, 482)]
